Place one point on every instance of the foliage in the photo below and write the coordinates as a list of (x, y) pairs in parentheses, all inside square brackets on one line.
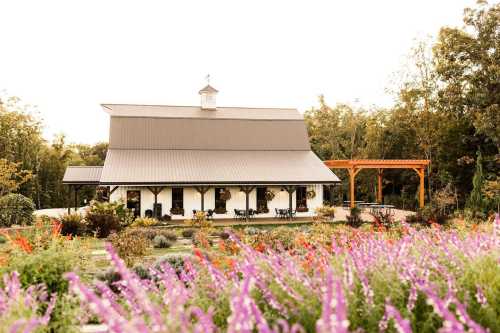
[(101, 224), (16, 209), (23, 309), (269, 195), (117, 208), (72, 225), (130, 246), (421, 281), (188, 233), (311, 194), (199, 220), (144, 222), (326, 211), (354, 220), (476, 200), (161, 242), (11, 178), (225, 195)]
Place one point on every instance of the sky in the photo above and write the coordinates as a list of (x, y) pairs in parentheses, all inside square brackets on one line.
[(68, 57)]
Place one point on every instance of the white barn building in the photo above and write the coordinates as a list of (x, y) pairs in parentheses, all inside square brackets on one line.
[(173, 160)]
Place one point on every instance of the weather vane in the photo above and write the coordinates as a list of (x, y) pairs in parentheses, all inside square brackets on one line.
[(208, 78)]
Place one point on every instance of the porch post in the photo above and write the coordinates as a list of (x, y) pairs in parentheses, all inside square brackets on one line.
[(155, 190), (247, 189), (202, 190), (290, 189), (379, 185), (68, 199)]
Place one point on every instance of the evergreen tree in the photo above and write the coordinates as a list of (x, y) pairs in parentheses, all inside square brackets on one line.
[(476, 201)]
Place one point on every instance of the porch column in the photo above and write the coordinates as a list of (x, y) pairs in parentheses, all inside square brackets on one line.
[(77, 188), (202, 190), (155, 190), (68, 199), (379, 185), (290, 189), (247, 189)]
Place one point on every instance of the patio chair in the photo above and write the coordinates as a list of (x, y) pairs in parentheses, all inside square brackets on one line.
[(276, 213), (238, 214), (251, 213), (210, 214)]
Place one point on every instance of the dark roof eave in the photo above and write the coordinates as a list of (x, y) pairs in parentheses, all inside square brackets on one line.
[(223, 183)]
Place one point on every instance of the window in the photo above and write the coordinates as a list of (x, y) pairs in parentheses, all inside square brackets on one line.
[(301, 198), (134, 202), (177, 198), (328, 194), (220, 203), (261, 200)]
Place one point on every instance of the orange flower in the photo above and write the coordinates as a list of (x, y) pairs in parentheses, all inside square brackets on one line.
[(23, 243), (260, 247), (222, 246), (198, 253)]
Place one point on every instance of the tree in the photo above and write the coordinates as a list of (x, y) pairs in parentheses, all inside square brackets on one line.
[(11, 177), (476, 200), (468, 65)]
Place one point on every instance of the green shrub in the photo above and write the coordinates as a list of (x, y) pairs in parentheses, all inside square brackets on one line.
[(187, 233), (16, 209), (144, 222), (116, 208), (46, 265), (3, 240), (130, 246), (170, 236), (161, 242), (102, 224), (72, 224), (176, 261)]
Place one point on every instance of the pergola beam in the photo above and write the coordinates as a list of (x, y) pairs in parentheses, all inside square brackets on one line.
[(354, 166)]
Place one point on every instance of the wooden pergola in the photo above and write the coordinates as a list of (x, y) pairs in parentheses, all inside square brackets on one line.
[(354, 166)]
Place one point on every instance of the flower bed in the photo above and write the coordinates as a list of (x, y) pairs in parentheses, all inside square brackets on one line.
[(350, 279)]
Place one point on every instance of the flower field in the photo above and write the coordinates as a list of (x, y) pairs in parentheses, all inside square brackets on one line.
[(330, 280)]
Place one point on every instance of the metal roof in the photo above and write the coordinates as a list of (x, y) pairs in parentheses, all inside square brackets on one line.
[(172, 111), (185, 167), (219, 134), (82, 175)]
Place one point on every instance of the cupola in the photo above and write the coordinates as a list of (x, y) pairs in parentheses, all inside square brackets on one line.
[(208, 94)]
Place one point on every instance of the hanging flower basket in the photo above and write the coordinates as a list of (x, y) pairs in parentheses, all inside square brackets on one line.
[(225, 195), (311, 194), (270, 195)]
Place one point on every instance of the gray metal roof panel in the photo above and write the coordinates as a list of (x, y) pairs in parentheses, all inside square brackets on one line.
[(213, 167)]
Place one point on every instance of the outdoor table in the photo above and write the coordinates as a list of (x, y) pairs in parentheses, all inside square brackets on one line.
[(376, 208)]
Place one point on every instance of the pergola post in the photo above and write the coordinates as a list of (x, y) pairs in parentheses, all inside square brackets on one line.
[(290, 189), (352, 181), (247, 190), (155, 190), (202, 190), (379, 185), (421, 188)]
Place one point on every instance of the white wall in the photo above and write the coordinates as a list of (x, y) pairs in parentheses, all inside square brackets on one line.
[(192, 200)]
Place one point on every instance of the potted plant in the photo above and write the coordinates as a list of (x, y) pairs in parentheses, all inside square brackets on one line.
[(262, 210), (269, 195), (225, 195), (311, 194), (302, 208), (177, 211), (220, 210)]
